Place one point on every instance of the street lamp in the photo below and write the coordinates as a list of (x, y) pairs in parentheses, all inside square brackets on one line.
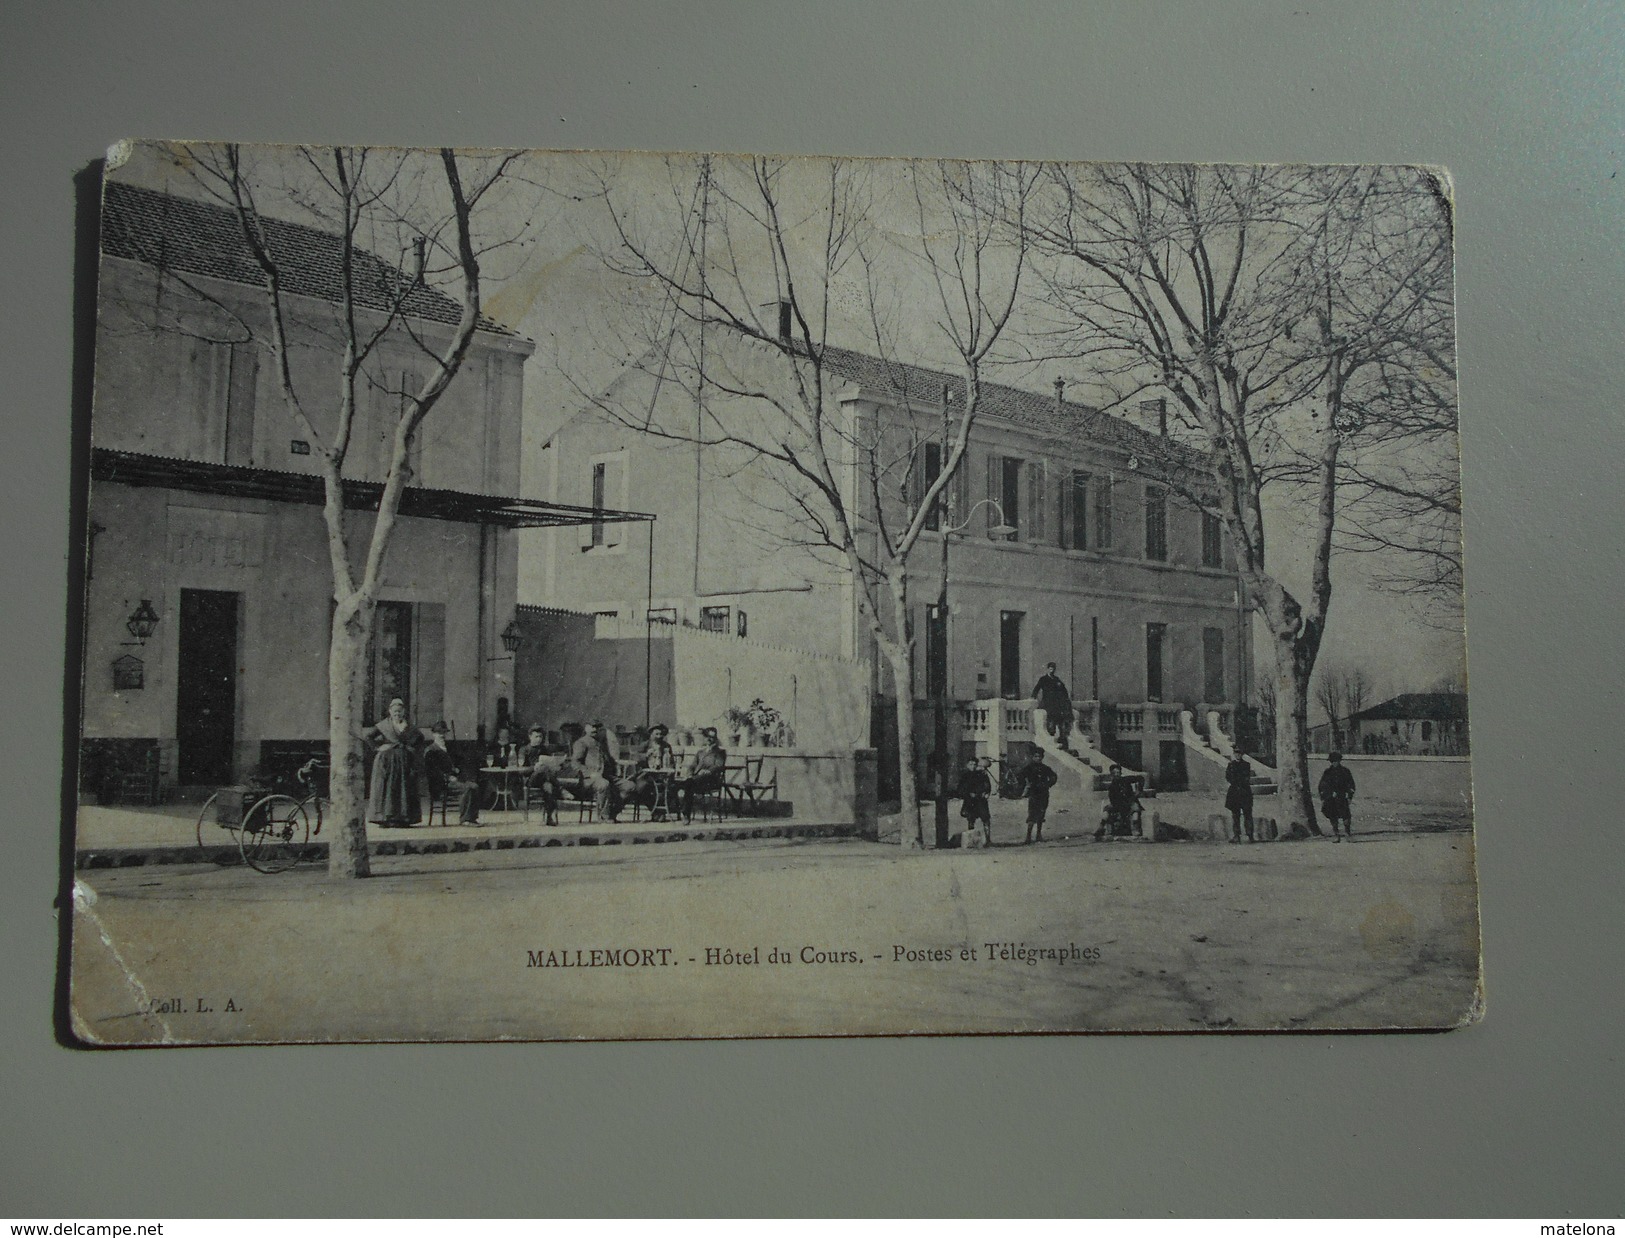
[(143, 619), (513, 640), (940, 697)]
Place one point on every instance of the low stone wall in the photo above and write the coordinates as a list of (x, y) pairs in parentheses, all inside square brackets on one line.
[(833, 785), (1405, 780)]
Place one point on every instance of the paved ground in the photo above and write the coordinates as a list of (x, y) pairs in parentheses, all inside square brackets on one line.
[(1375, 933)]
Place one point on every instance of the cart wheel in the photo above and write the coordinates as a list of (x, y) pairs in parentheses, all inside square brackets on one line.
[(215, 834), (275, 833)]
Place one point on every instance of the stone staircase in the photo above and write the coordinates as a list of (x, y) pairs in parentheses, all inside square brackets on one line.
[(1084, 761), (1212, 744)]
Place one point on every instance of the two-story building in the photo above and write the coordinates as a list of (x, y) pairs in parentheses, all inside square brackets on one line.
[(209, 586), (1076, 538)]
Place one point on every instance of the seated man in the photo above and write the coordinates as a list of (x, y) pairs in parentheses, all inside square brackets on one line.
[(445, 779), (651, 785), (543, 780), (594, 767), (706, 770), (1122, 798)]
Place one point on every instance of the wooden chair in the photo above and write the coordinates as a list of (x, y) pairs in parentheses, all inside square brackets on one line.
[(750, 790), (441, 801)]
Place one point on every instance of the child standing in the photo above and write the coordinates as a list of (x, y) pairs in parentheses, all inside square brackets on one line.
[(973, 791), (1037, 780)]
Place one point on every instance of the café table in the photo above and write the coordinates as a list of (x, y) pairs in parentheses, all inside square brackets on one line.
[(505, 792)]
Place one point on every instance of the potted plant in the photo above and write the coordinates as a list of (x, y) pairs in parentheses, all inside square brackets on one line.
[(764, 723), (735, 720)]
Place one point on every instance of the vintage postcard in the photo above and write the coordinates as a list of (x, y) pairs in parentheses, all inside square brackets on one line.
[(538, 595)]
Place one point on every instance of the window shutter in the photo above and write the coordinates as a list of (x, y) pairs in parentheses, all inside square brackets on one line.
[(959, 486), (1063, 513), (1037, 503), (614, 497), (592, 534), (411, 384), (995, 490)]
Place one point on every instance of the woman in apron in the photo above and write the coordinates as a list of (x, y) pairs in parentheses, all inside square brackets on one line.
[(395, 801)]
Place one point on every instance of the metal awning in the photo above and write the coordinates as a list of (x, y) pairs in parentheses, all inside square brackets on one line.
[(129, 468)]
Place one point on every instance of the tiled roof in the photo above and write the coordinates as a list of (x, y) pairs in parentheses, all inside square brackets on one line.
[(202, 238), (1028, 409), (1433, 705)]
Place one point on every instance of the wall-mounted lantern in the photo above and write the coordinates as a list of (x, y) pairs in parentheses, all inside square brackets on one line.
[(513, 640), (143, 619)]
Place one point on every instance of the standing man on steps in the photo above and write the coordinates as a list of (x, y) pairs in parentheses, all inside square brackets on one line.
[(1056, 702)]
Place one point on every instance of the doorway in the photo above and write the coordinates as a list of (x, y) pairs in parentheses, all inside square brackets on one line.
[(206, 687), (1010, 654)]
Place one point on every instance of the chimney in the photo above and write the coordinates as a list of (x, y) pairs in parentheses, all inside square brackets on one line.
[(786, 321), (418, 246), (1060, 393), (1160, 408)]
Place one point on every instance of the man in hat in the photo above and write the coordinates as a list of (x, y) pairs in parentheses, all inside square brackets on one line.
[(445, 779), (706, 770), (543, 779), (592, 762), (1336, 790), (1238, 799), (1122, 797), (1056, 702), (657, 768)]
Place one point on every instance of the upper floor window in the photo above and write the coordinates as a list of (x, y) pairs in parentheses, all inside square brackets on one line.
[(1034, 523), (927, 467), (1212, 541), (606, 491), (1004, 488), (1156, 523), (715, 618), (1078, 511), (1103, 514), (598, 479)]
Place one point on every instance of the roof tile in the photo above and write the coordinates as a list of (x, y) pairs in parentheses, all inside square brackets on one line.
[(202, 238)]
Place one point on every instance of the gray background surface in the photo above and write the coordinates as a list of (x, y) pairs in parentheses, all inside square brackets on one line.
[(1520, 1115)]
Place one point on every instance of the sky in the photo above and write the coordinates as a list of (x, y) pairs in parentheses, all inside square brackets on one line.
[(550, 229)]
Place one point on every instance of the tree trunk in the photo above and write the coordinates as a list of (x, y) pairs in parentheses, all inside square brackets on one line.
[(347, 854), (911, 832), (1297, 643), (1295, 661)]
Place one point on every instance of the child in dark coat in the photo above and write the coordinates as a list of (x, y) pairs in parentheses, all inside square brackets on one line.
[(1037, 779), (975, 786)]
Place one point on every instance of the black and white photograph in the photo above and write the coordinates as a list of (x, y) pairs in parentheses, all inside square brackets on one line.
[(575, 595)]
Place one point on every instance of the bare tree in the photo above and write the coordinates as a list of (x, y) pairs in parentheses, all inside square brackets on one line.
[(761, 265), (428, 204), (1276, 307), (1342, 690)]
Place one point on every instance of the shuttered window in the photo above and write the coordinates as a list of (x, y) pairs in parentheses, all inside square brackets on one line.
[(1156, 523), (1212, 664), (606, 491), (1037, 503), (1075, 517), (1212, 541), (1103, 514)]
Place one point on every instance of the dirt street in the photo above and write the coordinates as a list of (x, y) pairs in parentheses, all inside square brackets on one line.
[(813, 937)]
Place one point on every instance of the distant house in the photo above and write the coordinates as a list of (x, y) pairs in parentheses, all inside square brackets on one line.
[(1410, 724)]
